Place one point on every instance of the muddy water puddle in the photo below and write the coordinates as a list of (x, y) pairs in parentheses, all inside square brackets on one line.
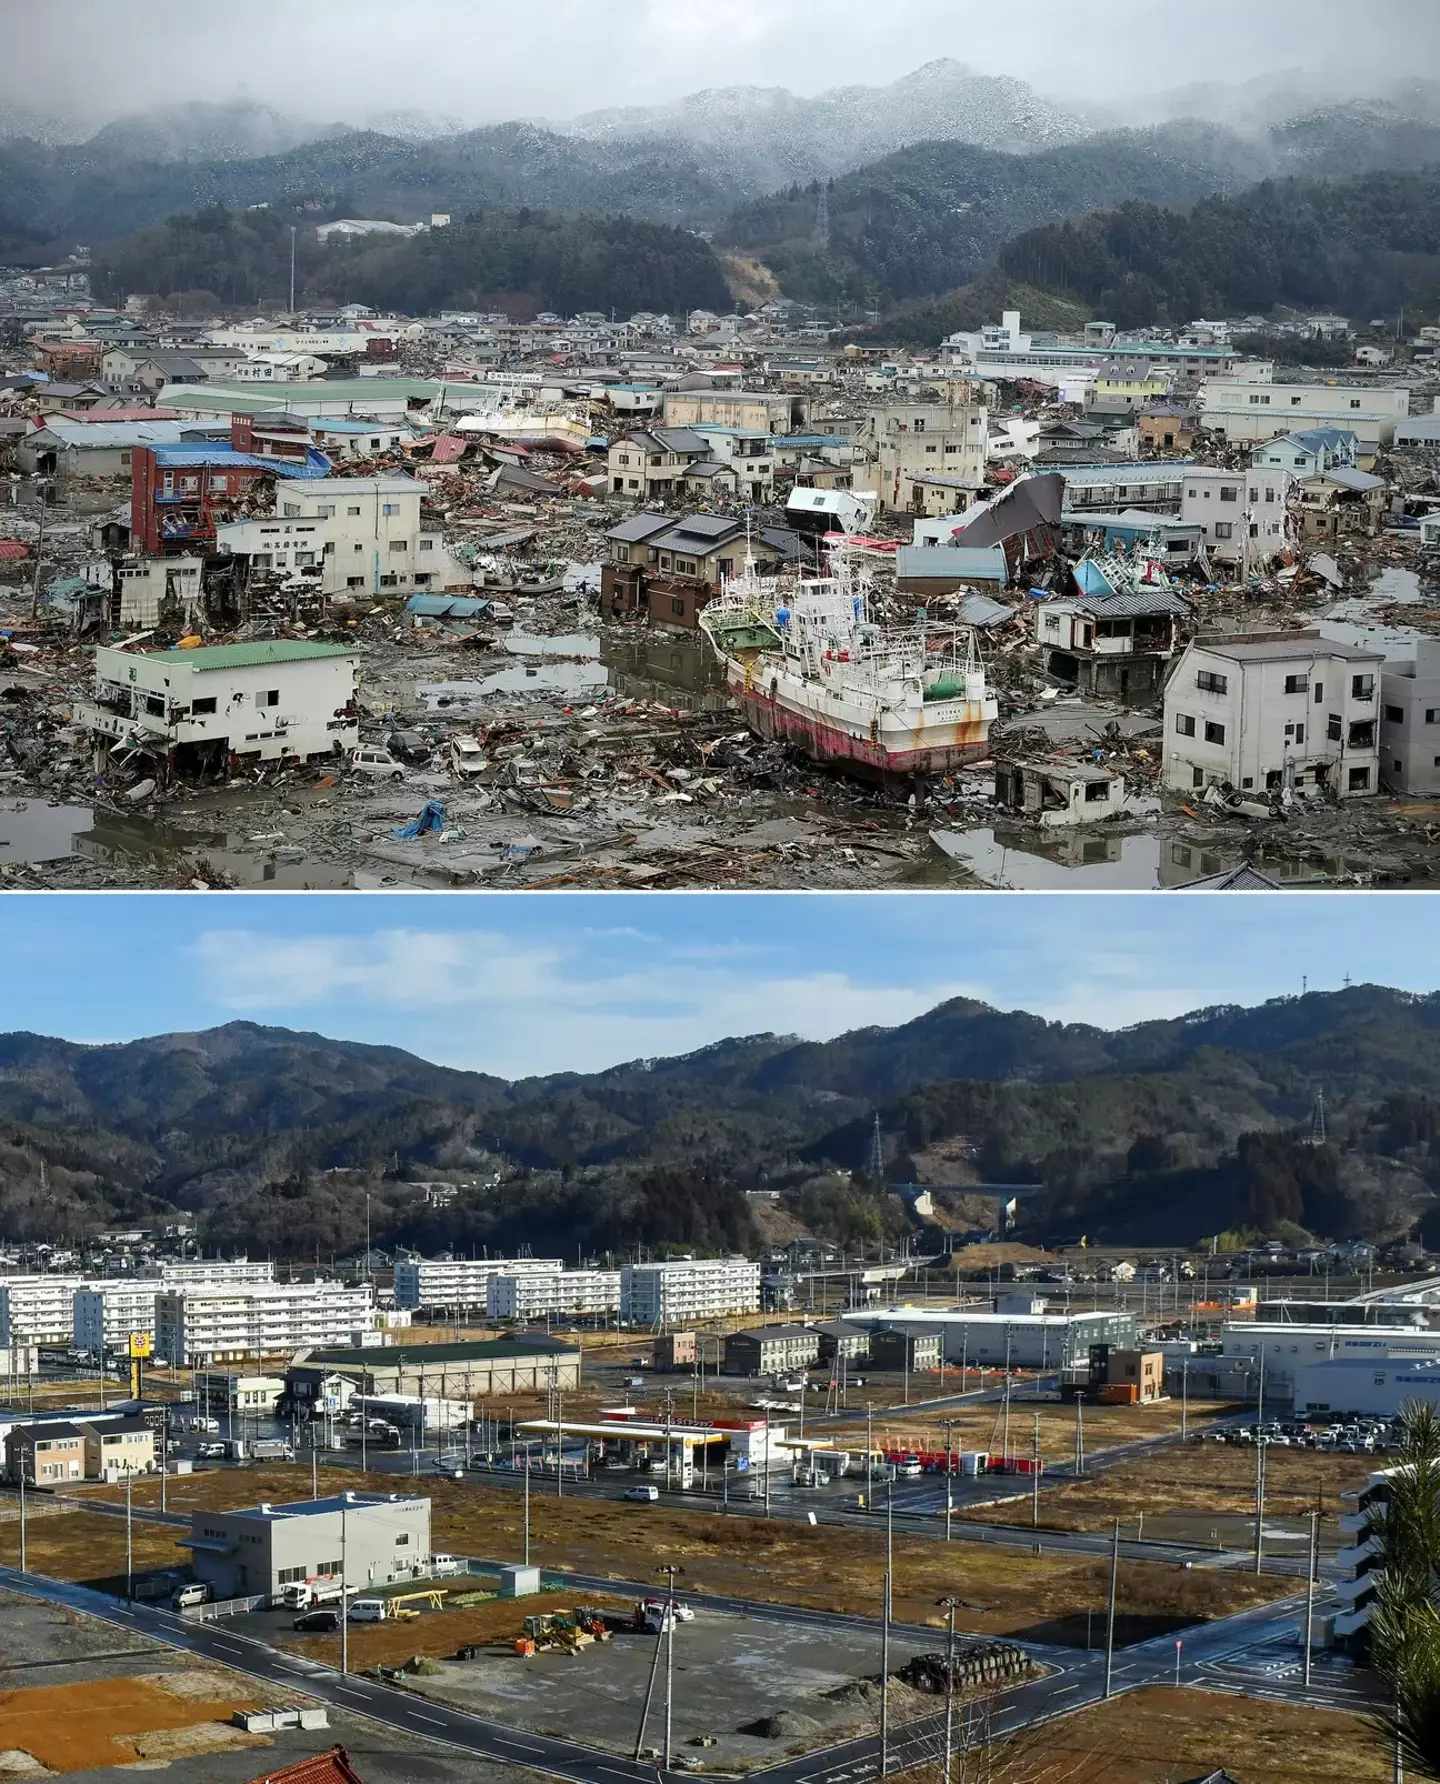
[(35, 832), (1013, 860)]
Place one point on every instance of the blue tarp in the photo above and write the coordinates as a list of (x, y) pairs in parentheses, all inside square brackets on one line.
[(431, 818)]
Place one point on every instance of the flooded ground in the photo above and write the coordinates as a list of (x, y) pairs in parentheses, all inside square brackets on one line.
[(1019, 860)]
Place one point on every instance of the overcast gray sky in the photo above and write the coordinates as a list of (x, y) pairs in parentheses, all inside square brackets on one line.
[(493, 59)]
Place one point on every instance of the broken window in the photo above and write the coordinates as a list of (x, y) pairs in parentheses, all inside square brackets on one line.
[(1214, 733), (1362, 687), (1096, 792), (1395, 715), (1333, 731), (1362, 735), (199, 707), (1359, 780)]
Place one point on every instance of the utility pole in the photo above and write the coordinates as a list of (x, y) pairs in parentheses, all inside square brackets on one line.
[(1110, 1624), (292, 312), (1184, 1399), (950, 1605), (344, 1597), (885, 1630), (1035, 1477), (1079, 1436), (949, 1475), (40, 489), (1310, 1590), (23, 1568), (129, 1545), (1260, 1447), (527, 1504)]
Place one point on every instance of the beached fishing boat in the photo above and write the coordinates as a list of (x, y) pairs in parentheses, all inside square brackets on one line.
[(807, 662)]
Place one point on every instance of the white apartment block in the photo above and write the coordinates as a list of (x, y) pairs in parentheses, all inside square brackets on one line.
[(1245, 514), (532, 1294), (219, 1325), (686, 1289), (39, 1309), (1249, 412), (107, 1313), (1265, 710), (461, 1281), (209, 1272), (364, 534)]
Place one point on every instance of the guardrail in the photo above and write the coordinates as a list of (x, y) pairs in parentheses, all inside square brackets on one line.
[(216, 1608)]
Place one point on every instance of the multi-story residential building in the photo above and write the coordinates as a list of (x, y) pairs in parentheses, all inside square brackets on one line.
[(268, 700), (1117, 645), (39, 1309), (1311, 453), (113, 1450), (1246, 412), (684, 1290), (534, 1294), (214, 1325), (650, 464), (461, 1282), (360, 534), (1244, 513), (762, 411), (919, 441), (1263, 711), (1410, 722), (1362, 1558), (107, 1313), (771, 1350)]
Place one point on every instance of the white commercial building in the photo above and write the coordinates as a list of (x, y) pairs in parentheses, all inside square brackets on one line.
[(364, 534), (1245, 514), (217, 1325), (1263, 711), (532, 1294), (686, 1289), (461, 1282), (1286, 1349), (1248, 412), (269, 700), (1007, 1340), (39, 1309), (208, 1272), (1365, 1387), (107, 1313)]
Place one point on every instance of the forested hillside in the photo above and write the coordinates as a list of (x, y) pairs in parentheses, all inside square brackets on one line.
[(522, 260), (1362, 246), (274, 1138)]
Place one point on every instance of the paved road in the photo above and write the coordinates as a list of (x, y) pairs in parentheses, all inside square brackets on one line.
[(398, 1709), (1209, 1656)]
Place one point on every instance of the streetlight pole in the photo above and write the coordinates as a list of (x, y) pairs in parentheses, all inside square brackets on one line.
[(527, 1504), (950, 1605), (1110, 1625), (1035, 1477), (1310, 1590), (22, 1505), (1260, 1447), (1184, 1399), (670, 1571), (129, 1546)]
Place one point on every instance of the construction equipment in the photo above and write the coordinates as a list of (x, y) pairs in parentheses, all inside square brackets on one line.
[(555, 1630), (402, 1606), (592, 1623)]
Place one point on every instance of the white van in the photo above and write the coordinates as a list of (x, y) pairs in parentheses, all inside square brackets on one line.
[(372, 760), (367, 1610), (195, 1593), (447, 1563)]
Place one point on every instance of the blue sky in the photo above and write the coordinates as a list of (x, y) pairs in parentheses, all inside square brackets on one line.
[(532, 983)]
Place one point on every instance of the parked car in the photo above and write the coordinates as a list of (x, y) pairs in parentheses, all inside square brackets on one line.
[(377, 763), (196, 1592), (466, 756), (367, 1610), (441, 1564), (209, 1452), (643, 1495), (317, 1623), (410, 746)]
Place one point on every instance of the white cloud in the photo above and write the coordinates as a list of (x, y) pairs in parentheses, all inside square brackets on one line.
[(487, 1002)]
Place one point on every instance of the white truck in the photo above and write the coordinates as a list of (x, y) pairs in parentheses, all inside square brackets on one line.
[(304, 1595)]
